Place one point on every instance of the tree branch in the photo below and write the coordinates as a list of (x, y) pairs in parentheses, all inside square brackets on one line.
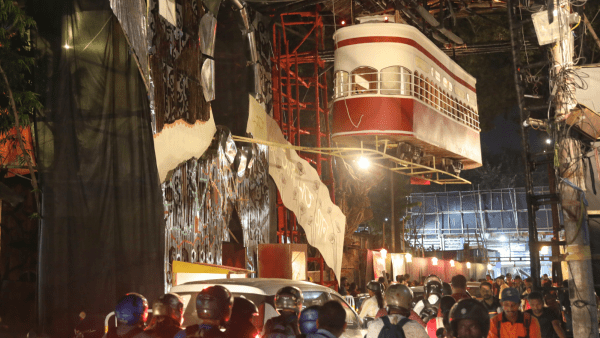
[(20, 139)]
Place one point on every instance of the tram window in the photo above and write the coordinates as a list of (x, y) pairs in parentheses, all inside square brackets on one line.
[(428, 91), (342, 85), (416, 85), (364, 81), (422, 88), (395, 80)]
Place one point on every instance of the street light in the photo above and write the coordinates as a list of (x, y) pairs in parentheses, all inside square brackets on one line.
[(363, 162)]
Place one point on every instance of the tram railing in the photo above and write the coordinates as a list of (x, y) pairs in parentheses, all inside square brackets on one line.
[(404, 83)]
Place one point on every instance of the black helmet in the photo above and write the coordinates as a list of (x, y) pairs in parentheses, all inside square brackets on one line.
[(289, 298), (433, 285), (169, 305), (446, 304), (469, 309), (374, 286), (243, 309), (446, 289), (132, 309), (215, 303)]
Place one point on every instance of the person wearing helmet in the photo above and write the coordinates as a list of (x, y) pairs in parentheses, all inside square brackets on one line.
[(240, 325), (288, 303), (441, 321), (213, 308), (308, 321), (398, 298), (131, 313), (512, 323), (167, 316), (371, 306), (468, 318), (427, 308)]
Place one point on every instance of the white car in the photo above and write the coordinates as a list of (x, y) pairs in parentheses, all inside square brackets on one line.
[(262, 292)]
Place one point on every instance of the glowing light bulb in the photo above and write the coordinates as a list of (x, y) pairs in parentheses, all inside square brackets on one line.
[(343, 22), (408, 257), (364, 163), (383, 252), (434, 261), (468, 265), (548, 141), (66, 46), (489, 266), (452, 262)]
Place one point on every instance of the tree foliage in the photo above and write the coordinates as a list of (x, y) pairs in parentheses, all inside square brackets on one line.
[(17, 61)]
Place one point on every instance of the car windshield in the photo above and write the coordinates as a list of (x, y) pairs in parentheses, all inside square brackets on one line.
[(314, 298)]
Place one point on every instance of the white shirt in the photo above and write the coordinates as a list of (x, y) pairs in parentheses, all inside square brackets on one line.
[(369, 308), (411, 329)]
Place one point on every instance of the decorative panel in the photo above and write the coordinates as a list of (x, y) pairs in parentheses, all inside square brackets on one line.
[(201, 196)]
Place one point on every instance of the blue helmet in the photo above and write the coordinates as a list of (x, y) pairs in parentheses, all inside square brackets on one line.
[(132, 309), (308, 320)]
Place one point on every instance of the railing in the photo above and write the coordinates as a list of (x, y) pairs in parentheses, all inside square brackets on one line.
[(400, 81)]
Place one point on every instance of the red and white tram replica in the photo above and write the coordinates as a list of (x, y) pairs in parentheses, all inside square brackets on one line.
[(394, 84)]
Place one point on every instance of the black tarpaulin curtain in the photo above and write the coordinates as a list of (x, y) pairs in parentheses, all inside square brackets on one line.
[(103, 227)]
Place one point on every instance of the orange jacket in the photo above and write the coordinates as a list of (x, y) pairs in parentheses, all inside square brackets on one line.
[(516, 330)]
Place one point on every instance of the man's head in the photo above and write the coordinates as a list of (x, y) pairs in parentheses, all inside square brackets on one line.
[(399, 278), (545, 276), (485, 289), (536, 301), (517, 280), (499, 280), (508, 277), (510, 302), (459, 284), (332, 317), (406, 276), (344, 282), (469, 319), (488, 278)]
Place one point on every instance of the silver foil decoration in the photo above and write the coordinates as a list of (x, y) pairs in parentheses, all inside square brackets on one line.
[(208, 79), (132, 17), (240, 163), (252, 46), (208, 33), (229, 148), (213, 6), (199, 200)]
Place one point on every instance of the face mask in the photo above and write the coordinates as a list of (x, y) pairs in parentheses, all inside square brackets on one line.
[(433, 299)]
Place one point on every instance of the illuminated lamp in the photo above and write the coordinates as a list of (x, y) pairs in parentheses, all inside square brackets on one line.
[(408, 257), (452, 262), (343, 22), (468, 265), (544, 250), (66, 46), (434, 261), (489, 266), (386, 19), (363, 162), (383, 252)]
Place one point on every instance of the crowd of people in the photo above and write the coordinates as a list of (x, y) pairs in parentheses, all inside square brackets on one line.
[(508, 309)]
